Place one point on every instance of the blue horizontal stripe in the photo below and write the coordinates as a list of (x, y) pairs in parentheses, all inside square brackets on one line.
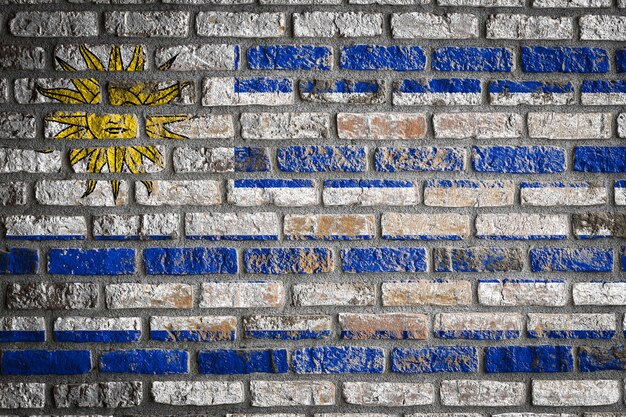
[(19, 261), (263, 85), (452, 184), (190, 261), (133, 237), (434, 359), (290, 57), (374, 260), (377, 57), (554, 185), (274, 183), (478, 334), (422, 237), (444, 85), (477, 259), (322, 159), (145, 361), (118, 261), (518, 159), (286, 334), (601, 86), (472, 59), (232, 237), (422, 159), (524, 281), (338, 360), (381, 335), (288, 260), (191, 335), (602, 358), (242, 362), (45, 237), (351, 183), (529, 359), (620, 184), (528, 237), (328, 237), (600, 158), (571, 260), (339, 86), (508, 86), (563, 59), (86, 336), (620, 60), (22, 336), (46, 362), (571, 334)]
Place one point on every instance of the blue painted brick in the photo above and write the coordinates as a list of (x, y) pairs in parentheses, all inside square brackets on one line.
[(600, 158), (339, 86), (252, 159), (572, 260), (443, 85), (419, 159), (472, 59), (538, 87), (338, 360), (189, 261), (564, 59), (529, 359), (602, 86), (10, 336), (102, 336), (290, 57), (623, 258), (602, 358), (230, 362), (119, 261), (263, 85), (321, 159), (377, 57), (620, 60), (145, 361), (288, 260), (19, 261), (364, 260), (477, 259), (434, 359), (46, 362), (518, 159)]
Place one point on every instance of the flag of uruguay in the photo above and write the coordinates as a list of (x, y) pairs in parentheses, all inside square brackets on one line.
[(601, 93), (236, 91), (422, 92)]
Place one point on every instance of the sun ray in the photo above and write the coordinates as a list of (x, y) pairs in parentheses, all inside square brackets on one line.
[(115, 59), (91, 60), (137, 63)]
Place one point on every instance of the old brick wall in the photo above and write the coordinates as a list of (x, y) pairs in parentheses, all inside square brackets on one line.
[(312, 207)]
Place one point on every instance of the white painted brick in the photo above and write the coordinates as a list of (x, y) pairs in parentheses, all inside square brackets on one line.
[(54, 24), (71, 193), (621, 125), (580, 193), (573, 393), (17, 57), (482, 3), (603, 99), (294, 323), (223, 91), (537, 98), (242, 294), (381, 126), (285, 126), (400, 98), (600, 293), (478, 125), (144, 226), (197, 393), (240, 25), (214, 160), (279, 196), (199, 57), (123, 394), (23, 324), (450, 415), (13, 193), (469, 193), (330, 24), (207, 328), (97, 323), (620, 195), (388, 394), (482, 393), (364, 193), (427, 292), (390, 2), (25, 90), (180, 193), (147, 24), (70, 53), (326, 91), (566, 4), (519, 26), (549, 125), (456, 323), (232, 226), (425, 226), (334, 294), (329, 226), (223, 2), (603, 28), (292, 393), (544, 324), (42, 227), (131, 295), (204, 126), (52, 295), (522, 226), (522, 293), (17, 126), (434, 26), (14, 395), (27, 160)]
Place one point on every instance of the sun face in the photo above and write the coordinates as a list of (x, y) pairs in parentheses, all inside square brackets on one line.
[(81, 125)]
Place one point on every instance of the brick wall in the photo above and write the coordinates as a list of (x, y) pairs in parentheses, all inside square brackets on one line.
[(312, 207)]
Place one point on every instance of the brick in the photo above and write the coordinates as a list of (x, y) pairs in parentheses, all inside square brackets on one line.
[(329, 227), (519, 159), (387, 326), (26, 160), (14, 395), (322, 159), (619, 190), (522, 226), (599, 293), (197, 393), (544, 358), (434, 359), (477, 259), (434, 26), (571, 259), (13, 193), (477, 125), (4, 91), (578, 193), (72, 261), (600, 358), (427, 292), (14, 57), (145, 361), (19, 261), (54, 24), (291, 393), (279, 192), (598, 225), (242, 294), (345, 91), (180, 192), (571, 3), (422, 159), (569, 125), (206, 126), (25, 227), (572, 393), (478, 326), (602, 28), (539, 59), (519, 26), (239, 91), (131, 295), (362, 57), (483, 393), (147, 24), (235, 362), (288, 260), (349, 192), (571, 326), (52, 296), (601, 93), (193, 328), (72, 193), (22, 329), (409, 226), (190, 261), (221, 160), (97, 329), (232, 226), (199, 57), (286, 327), (338, 360), (334, 294), (437, 92), (285, 125), (46, 362), (381, 126), (522, 292), (482, 3), (620, 61), (72, 54), (29, 91), (184, 95), (374, 260), (136, 227), (388, 394), (468, 193), (99, 394), (17, 126), (330, 24), (240, 25), (470, 59), (600, 158), (534, 93), (290, 57)]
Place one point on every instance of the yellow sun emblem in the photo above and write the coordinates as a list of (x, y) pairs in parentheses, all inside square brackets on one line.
[(82, 125)]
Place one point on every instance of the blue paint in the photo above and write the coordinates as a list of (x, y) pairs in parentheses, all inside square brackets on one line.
[(422, 237), (420, 159), (519, 237), (46, 362), (624, 261), (601, 86), (477, 334), (290, 57), (571, 260), (263, 85), (461, 184), (190, 261), (477, 259), (19, 261), (535, 87), (339, 86), (232, 237), (602, 358), (201, 335), (383, 334), (444, 85), (571, 334), (134, 237), (620, 60), (288, 260), (322, 159), (564, 59), (548, 184), (338, 360), (71, 261), (518, 159), (329, 237), (378, 57), (286, 334), (7, 336), (236, 362), (529, 359), (104, 336), (600, 158), (145, 361), (620, 184), (274, 183), (252, 159), (45, 237), (354, 183), (524, 281), (472, 59), (434, 359), (368, 260)]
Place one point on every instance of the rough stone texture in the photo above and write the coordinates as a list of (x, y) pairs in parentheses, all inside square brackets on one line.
[(521, 293), (243, 25), (231, 226), (54, 24), (599, 224), (146, 226), (425, 226), (17, 126), (24, 160), (149, 295), (569, 194), (13, 194), (371, 196), (571, 393), (242, 294), (381, 126), (569, 125), (147, 24), (599, 293), (329, 226), (383, 326), (180, 193), (434, 26), (517, 26), (99, 394), (482, 393), (475, 194), (419, 293), (215, 160), (292, 393), (72, 193), (607, 28), (521, 226), (198, 57), (388, 394), (52, 296), (21, 57), (335, 294), (14, 395), (197, 393), (285, 126), (329, 24), (571, 3), (28, 226), (477, 125)]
